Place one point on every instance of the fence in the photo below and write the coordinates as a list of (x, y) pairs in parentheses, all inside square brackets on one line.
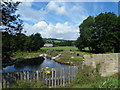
[(57, 77)]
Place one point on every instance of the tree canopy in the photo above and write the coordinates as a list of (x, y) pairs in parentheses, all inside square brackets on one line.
[(10, 21), (100, 33), (12, 37)]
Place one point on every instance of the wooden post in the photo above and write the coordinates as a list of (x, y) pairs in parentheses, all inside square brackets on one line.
[(37, 75), (26, 75), (4, 80), (55, 77), (63, 76), (69, 74), (60, 76), (52, 77)]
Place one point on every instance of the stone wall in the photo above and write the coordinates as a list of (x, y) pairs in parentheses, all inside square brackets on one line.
[(109, 63)]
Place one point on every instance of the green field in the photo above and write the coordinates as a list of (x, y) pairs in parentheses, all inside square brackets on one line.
[(60, 48)]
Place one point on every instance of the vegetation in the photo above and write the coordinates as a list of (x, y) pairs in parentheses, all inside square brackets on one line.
[(59, 42), (20, 43), (100, 34), (24, 84), (11, 24), (71, 58), (60, 48), (21, 54), (90, 78), (12, 38)]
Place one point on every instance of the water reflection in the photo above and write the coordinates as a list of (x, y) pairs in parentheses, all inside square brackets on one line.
[(36, 65)]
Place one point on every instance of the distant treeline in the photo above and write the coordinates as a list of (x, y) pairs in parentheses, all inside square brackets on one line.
[(20, 42), (101, 33), (59, 42)]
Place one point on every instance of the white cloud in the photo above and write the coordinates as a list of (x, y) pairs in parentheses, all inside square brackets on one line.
[(74, 13), (57, 7), (53, 31), (29, 14)]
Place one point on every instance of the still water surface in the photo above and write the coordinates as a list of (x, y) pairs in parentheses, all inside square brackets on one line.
[(46, 63)]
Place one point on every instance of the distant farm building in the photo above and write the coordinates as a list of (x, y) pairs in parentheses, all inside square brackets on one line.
[(48, 45)]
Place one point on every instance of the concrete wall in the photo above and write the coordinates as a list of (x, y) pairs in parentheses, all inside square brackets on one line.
[(109, 63)]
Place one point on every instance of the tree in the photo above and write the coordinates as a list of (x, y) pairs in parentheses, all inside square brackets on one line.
[(34, 42), (101, 34), (86, 29), (105, 24), (10, 21), (11, 24)]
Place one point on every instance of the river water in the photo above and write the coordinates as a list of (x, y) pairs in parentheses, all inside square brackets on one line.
[(45, 63)]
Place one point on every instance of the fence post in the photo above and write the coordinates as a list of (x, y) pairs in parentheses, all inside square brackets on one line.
[(52, 79), (60, 76), (37, 75), (63, 77), (55, 77)]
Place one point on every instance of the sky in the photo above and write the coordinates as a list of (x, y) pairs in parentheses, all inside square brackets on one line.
[(60, 20)]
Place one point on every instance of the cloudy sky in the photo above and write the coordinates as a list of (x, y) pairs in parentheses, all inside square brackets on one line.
[(60, 19)]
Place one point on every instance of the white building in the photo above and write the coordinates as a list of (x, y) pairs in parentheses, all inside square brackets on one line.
[(48, 45)]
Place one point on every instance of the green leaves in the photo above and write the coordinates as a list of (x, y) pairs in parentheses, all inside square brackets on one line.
[(10, 21), (100, 34)]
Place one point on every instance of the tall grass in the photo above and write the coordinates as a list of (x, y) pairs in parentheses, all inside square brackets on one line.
[(90, 78), (27, 84)]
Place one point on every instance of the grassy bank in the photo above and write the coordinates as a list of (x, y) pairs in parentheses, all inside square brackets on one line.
[(90, 78), (71, 58)]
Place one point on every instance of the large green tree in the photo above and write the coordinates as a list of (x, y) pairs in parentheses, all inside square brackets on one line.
[(86, 29), (100, 34)]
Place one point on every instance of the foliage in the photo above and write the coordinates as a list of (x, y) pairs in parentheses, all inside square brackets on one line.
[(22, 43), (34, 42), (100, 34), (10, 21), (24, 84), (59, 42), (64, 43), (90, 78), (11, 24)]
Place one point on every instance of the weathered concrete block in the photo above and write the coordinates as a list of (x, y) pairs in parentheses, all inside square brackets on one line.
[(110, 63)]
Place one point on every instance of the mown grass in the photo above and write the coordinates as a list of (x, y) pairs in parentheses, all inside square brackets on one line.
[(71, 58), (90, 78), (60, 48)]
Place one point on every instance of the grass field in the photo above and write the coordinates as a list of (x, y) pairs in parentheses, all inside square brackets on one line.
[(60, 49)]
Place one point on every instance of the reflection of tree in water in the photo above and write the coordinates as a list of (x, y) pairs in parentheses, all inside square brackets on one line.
[(29, 62)]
